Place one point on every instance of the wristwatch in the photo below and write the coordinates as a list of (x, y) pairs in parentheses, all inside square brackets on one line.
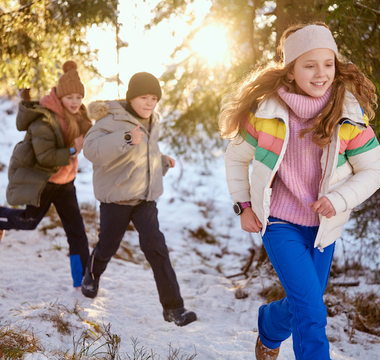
[(128, 138), (239, 207), (73, 151)]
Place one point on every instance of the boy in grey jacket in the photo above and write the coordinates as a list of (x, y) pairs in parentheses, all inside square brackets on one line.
[(128, 169)]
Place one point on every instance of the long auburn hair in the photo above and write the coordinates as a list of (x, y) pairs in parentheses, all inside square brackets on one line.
[(77, 124), (264, 83)]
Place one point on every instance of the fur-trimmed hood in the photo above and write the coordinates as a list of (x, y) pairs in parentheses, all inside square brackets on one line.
[(99, 109)]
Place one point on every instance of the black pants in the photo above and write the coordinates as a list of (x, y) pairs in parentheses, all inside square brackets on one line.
[(65, 201), (114, 220)]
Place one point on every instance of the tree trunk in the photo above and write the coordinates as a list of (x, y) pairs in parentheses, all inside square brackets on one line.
[(290, 12), (24, 93)]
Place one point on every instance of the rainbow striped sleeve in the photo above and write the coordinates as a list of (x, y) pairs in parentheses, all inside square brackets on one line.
[(267, 136), (354, 141)]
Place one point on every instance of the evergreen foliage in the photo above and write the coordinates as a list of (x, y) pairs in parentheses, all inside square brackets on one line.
[(194, 87), (38, 36)]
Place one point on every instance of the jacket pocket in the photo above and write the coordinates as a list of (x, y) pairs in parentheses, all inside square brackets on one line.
[(125, 174)]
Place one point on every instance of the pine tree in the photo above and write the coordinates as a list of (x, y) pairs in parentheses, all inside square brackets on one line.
[(38, 36), (194, 89)]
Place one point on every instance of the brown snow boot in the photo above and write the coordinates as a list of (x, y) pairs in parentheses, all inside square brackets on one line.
[(264, 353)]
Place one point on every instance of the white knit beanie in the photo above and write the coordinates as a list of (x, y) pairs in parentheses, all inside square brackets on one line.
[(308, 38)]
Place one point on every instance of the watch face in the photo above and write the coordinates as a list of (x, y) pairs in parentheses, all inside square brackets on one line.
[(237, 209), (128, 137)]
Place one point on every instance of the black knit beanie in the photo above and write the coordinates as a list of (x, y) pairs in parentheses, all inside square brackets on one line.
[(143, 83)]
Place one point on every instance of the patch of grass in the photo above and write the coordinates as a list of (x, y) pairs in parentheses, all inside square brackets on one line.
[(368, 317), (89, 213), (203, 235), (106, 345), (241, 293), (15, 342), (57, 319), (127, 252), (174, 354), (274, 292), (362, 309)]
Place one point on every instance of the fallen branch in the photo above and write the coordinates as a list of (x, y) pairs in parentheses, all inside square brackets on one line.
[(246, 267), (346, 284)]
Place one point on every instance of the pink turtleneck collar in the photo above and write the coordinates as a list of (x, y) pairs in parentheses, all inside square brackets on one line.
[(305, 107)]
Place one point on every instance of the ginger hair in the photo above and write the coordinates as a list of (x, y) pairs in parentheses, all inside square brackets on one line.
[(77, 124), (264, 83)]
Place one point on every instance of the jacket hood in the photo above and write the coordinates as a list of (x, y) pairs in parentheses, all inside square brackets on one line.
[(97, 110), (28, 112)]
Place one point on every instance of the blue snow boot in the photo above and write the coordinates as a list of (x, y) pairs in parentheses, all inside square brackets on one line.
[(180, 316)]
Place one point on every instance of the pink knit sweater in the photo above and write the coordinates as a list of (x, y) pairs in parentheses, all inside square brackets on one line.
[(299, 175)]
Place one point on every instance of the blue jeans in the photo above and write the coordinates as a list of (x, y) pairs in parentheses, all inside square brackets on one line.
[(303, 271), (114, 220), (65, 201)]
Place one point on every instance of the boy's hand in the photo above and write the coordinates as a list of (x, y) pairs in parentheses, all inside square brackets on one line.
[(324, 207), (249, 221), (78, 144), (137, 135), (171, 161)]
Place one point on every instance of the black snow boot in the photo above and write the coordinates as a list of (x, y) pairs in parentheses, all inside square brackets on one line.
[(90, 284), (180, 316)]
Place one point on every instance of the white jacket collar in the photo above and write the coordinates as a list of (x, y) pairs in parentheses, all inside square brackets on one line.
[(272, 108)]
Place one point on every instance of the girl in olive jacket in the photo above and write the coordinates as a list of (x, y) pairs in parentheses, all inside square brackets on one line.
[(128, 169), (43, 166)]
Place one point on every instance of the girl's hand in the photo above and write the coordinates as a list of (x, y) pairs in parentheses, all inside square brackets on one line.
[(249, 221), (171, 161), (78, 144), (137, 135), (324, 207)]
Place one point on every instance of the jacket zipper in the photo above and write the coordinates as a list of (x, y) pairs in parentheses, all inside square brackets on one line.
[(320, 246), (324, 173), (276, 222)]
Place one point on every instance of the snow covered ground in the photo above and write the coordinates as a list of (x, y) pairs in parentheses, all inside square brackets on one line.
[(36, 287)]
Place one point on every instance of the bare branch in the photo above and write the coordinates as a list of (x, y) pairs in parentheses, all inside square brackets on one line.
[(377, 12)]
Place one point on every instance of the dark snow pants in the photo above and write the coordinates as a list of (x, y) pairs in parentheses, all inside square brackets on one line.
[(303, 271), (114, 220), (65, 201)]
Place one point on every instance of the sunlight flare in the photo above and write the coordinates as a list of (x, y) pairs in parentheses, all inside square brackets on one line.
[(210, 43)]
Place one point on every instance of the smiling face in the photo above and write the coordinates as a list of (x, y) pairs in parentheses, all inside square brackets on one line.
[(313, 72), (72, 102), (144, 105)]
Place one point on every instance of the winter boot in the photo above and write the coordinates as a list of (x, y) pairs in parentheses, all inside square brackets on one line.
[(2, 233), (90, 284), (180, 316), (264, 353)]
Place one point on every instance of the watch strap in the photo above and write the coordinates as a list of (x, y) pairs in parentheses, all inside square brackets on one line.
[(245, 204), (239, 207)]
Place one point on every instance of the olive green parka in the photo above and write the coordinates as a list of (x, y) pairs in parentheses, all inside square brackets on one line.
[(35, 159)]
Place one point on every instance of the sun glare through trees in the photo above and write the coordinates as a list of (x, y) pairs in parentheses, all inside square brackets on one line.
[(210, 43)]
